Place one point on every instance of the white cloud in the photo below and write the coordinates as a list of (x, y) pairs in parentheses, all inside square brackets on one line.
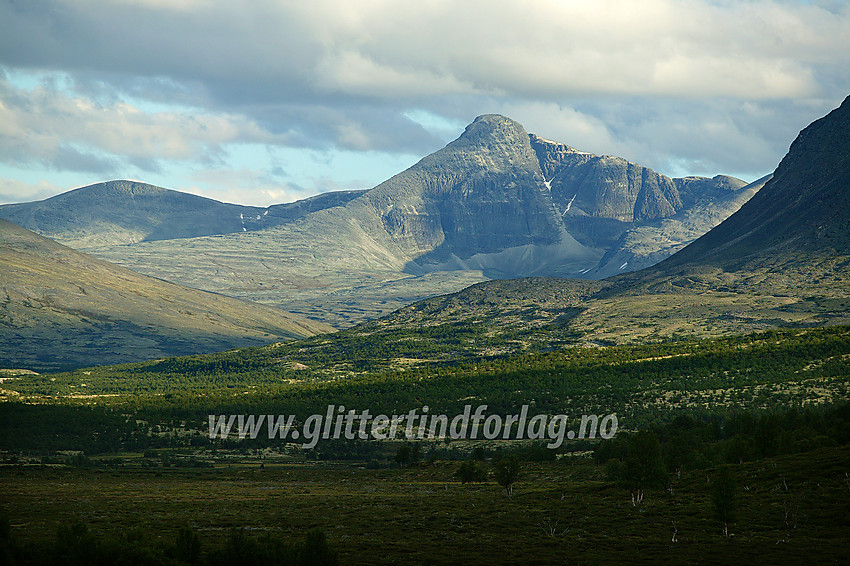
[(562, 48), (246, 186), (717, 85), (44, 125), (387, 48), (15, 190)]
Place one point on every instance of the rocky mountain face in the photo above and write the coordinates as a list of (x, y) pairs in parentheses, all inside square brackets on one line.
[(632, 213), (60, 308), (781, 260), (514, 204), (583, 184), (648, 243), (479, 203), (496, 199)]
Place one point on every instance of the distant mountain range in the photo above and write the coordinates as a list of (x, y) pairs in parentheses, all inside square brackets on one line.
[(126, 212), (649, 242), (495, 203), (60, 308)]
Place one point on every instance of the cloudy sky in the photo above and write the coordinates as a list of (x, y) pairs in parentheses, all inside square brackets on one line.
[(266, 101)]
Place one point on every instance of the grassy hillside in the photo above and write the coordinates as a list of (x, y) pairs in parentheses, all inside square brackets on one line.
[(60, 308), (640, 383)]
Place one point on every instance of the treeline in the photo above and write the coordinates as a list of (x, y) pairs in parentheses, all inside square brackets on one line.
[(359, 359), (576, 377), (359, 349), (657, 456), (638, 383)]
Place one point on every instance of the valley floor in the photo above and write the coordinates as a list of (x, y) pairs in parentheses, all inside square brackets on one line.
[(792, 509)]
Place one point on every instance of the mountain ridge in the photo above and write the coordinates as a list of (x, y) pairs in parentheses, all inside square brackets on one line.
[(811, 184), (127, 212), (497, 202)]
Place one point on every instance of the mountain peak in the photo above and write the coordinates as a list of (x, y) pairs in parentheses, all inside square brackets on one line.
[(117, 212), (493, 123), (128, 186), (491, 142), (494, 127)]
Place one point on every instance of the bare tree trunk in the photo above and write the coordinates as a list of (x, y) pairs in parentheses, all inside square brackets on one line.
[(637, 497)]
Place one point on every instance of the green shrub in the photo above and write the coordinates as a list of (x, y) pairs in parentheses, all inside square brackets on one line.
[(470, 471)]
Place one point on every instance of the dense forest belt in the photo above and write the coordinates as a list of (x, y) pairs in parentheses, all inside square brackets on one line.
[(755, 370), (732, 447), (103, 409)]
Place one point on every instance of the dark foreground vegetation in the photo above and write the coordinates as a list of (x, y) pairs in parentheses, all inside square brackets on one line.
[(780, 509), (76, 544), (730, 449)]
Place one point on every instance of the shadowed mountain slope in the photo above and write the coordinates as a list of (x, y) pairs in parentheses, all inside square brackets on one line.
[(126, 212), (804, 208)]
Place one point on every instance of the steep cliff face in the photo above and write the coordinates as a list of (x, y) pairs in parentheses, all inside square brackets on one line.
[(648, 243), (636, 215), (514, 204), (482, 195), (605, 186)]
